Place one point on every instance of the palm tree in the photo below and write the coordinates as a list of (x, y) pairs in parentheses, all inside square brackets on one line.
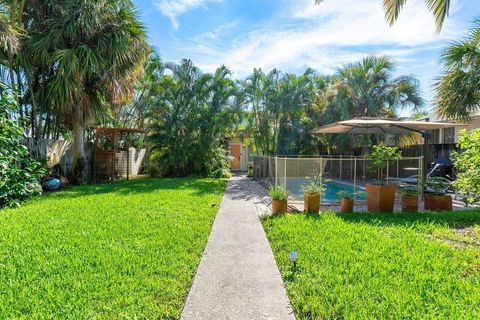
[(87, 55), (11, 34), (439, 9), (368, 89), (457, 92), (281, 110), (193, 116)]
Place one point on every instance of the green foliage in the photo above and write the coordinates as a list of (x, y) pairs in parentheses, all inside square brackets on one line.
[(437, 185), (192, 118), (381, 266), (282, 110), (76, 61), (218, 164), (392, 8), (277, 193), (347, 194), (284, 107), (381, 155), (313, 188), (250, 171), (410, 191), (315, 185), (124, 250), (19, 172), (467, 163), (366, 89), (457, 92)]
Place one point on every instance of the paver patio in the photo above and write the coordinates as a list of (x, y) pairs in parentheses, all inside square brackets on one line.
[(237, 277)]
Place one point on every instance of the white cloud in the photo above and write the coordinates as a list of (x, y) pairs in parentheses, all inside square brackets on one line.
[(217, 32), (323, 37), (174, 8)]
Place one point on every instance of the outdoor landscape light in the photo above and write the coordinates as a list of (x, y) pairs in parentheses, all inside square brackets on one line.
[(294, 258)]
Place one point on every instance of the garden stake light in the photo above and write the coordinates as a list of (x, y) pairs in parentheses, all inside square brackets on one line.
[(293, 259)]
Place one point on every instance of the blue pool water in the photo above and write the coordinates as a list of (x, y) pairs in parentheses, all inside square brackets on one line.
[(294, 186)]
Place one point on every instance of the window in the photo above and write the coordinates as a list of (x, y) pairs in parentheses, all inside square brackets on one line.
[(449, 135), (434, 137)]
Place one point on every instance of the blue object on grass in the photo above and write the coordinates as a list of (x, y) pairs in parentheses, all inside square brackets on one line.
[(50, 184)]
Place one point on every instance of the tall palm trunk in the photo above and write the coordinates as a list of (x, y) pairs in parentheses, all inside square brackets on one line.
[(78, 148)]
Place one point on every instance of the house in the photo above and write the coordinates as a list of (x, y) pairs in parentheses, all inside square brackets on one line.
[(241, 151), (443, 141), (449, 135)]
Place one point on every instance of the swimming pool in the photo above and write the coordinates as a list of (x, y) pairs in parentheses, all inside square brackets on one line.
[(294, 186)]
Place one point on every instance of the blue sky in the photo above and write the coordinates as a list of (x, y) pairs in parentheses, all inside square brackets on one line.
[(295, 34)]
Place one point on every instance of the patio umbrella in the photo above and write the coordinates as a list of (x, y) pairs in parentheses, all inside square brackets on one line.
[(382, 126)]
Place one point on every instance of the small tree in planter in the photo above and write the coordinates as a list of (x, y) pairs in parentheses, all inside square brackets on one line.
[(410, 198), (436, 198), (312, 193), (279, 197), (381, 195), (348, 200)]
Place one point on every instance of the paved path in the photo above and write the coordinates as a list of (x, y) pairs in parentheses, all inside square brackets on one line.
[(237, 277)]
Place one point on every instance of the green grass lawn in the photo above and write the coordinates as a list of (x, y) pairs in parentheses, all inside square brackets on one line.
[(364, 266), (112, 251)]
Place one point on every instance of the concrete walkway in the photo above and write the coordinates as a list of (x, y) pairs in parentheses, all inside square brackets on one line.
[(237, 277)]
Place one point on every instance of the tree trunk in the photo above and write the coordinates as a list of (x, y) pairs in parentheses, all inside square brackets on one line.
[(78, 148)]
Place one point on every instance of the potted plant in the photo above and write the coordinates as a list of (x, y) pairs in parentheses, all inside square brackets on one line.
[(381, 195), (312, 193), (279, 197), (347, 200), (250, 171), (436, 198), (410, 199)]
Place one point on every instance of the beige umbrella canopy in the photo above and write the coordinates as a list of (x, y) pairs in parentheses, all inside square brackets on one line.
[(382, 126)]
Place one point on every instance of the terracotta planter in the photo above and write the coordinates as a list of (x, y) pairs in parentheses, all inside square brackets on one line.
[(279, 206), (346, 205), (380, 198), (311, 202), (438, 203), (409, 203)]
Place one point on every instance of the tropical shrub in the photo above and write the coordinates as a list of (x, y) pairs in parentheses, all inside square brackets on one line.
[(380, 156), (191, 122), (19, 172), (467, 162)]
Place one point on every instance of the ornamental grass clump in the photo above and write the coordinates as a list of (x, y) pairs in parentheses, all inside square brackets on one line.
[(279, 197), (278, 193)]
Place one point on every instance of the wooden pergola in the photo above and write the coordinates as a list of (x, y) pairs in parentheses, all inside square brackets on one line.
[(104, 164)]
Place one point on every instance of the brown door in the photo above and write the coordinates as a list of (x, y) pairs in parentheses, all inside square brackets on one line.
[(235, 153)]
